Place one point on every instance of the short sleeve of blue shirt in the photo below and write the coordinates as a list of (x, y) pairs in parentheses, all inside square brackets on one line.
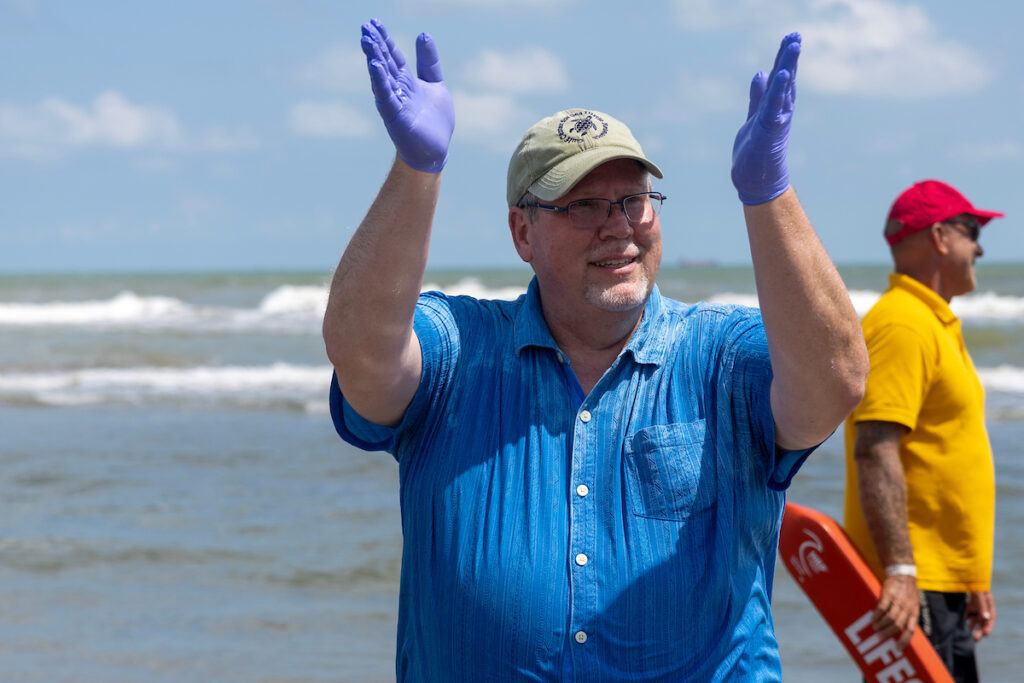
[(438, 335), (745, 355)]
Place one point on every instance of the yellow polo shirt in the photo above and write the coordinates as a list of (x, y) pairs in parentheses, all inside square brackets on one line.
[(922, 377)]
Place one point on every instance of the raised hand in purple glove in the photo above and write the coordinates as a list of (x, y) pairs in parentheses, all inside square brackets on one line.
[(759, 154), (417, 110)]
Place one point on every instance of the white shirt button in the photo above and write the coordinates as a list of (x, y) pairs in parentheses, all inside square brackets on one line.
[(581, 637), (581, 559), (582, 490), (585, 415), (561, 357)]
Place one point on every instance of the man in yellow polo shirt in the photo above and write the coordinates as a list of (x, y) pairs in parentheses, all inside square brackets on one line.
[(920, 482)]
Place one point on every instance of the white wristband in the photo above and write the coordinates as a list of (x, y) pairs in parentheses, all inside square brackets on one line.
[(901, 570)]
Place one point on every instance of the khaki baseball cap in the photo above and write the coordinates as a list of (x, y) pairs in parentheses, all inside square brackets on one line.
[(558, 151)]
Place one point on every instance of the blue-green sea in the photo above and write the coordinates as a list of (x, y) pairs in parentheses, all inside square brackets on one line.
[(175, 504)]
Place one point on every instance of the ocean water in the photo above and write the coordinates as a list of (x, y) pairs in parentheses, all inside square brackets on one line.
[(177, 507)]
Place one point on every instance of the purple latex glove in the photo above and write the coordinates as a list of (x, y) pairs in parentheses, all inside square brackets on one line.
[(759, 154), (417, 110)]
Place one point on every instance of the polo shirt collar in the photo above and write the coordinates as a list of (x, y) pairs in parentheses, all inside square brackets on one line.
[(938, 305), (648, 344)]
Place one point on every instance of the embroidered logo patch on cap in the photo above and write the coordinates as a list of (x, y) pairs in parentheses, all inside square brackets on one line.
[(582, 124), (557, 151)]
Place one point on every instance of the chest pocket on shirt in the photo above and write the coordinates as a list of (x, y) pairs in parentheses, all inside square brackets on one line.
[(667, 473)]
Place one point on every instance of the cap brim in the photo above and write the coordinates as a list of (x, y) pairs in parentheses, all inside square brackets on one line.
[(984, 216), (564, 176)]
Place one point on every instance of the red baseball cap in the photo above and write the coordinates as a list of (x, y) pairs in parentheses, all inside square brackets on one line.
[(927, 202)]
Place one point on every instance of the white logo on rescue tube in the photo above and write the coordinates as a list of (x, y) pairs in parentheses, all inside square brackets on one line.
[(807, 560)]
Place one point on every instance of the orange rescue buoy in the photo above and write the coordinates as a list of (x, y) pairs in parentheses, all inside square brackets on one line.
[(832, 573)]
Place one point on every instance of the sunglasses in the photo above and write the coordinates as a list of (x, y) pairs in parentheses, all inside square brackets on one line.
[(973, 227)]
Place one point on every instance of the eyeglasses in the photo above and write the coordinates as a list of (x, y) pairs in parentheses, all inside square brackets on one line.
[(588, 214), (973, 227)]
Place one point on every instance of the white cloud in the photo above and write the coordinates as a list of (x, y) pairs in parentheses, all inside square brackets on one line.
[(876, 48), (55, 126), (329, 120), (110, 121), (868, 48), (492, 113), (339, 67), (495, 119), (530, 69)]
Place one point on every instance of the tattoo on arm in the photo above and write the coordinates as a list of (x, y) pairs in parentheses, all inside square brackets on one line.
[(883, 489)]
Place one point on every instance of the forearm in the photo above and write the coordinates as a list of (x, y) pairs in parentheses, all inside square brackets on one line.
[(883, 497), (883, 501), (368, 322), (818, 356)]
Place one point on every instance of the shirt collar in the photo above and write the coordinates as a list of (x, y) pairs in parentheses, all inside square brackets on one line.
[(938, 305), (648, 344), (530, 327)]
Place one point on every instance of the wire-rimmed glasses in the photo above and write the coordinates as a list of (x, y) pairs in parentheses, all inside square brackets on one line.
[(587, 214)]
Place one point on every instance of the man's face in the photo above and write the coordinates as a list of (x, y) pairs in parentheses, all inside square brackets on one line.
[(610, 267), (964, 250)]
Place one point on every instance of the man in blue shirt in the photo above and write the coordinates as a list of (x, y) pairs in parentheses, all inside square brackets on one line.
[(592, 475)]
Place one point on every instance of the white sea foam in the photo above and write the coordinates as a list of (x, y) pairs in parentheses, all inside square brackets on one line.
[(862, 300), (989, 306), (279, 384), (982, 307), (740, 299), (295, 299), (471, 286), (300, 309), (288, 308), (1005, 379), (285, 309), (125, 308)]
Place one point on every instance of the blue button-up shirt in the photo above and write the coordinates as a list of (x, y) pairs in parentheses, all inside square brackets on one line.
[(629, 534)]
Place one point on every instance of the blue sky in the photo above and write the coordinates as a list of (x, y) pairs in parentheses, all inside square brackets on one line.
[(242, 135)]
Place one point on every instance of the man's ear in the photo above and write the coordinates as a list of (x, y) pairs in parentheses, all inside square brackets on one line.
[(938, 239), (521, 228)]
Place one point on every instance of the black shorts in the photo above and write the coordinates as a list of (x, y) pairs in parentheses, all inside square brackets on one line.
[(944, 620)]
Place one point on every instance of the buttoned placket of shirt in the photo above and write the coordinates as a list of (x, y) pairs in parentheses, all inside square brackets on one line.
[(584, 446), (531, 330), (582, 514), (591, 414)]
